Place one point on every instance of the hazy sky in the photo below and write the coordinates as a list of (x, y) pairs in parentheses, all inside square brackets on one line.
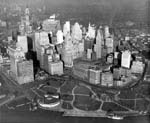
[(97, 1), (76, 2)]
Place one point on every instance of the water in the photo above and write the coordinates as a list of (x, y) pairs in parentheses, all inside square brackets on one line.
[(23, 115)]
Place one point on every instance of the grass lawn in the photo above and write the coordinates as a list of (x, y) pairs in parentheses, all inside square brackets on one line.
[(82, 90), (86, 103), (66, 105), (112, 106), (67, 87)]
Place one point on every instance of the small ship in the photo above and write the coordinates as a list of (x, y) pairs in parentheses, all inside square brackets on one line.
[(115, 117)]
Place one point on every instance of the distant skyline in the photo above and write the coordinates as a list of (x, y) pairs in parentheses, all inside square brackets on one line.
[(78, 2)]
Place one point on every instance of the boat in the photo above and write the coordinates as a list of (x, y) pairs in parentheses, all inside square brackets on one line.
[(143, 112), (48, 104), (115, 117)]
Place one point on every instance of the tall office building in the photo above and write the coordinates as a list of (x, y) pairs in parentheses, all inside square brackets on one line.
[(76, 33), (107, 33), (137, 67), (91, 32), (98, 45), (22, 28), (27, 11), (68, 45), (59, 35), (51, 24), (148, 15), (22, 43), (126, 59), (15, 56), (25, 25), (41, 38), (66, 28), (109, 43), (147, 74), (21, 70), (27, 21), (67, 56)]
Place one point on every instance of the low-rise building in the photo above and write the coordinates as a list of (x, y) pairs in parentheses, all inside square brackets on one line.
[(116, 73), (110, 59), (81, 70), (137, 67), (94, 75), (107, 79), (55, 68), (147, 74), (25, 72)]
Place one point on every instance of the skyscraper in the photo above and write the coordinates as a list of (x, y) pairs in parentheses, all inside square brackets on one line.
[(148, 15), (66, 28), (97, 46), (126, 59)]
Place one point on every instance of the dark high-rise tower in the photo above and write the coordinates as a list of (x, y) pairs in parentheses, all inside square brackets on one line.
[(148, 15)]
